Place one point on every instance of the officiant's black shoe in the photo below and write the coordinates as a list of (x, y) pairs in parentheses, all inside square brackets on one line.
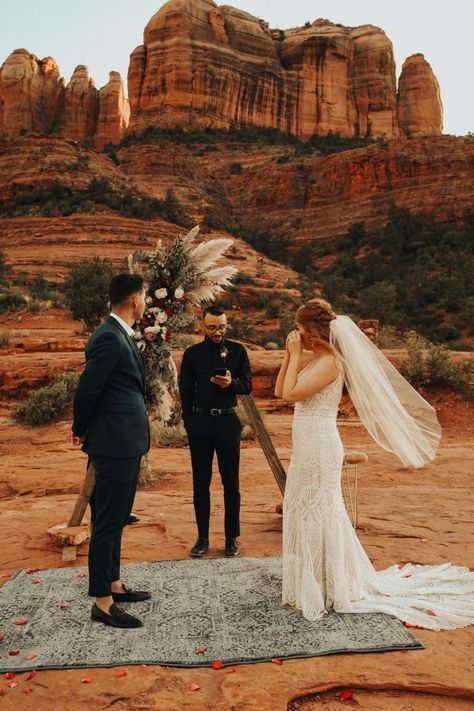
[(200, 547), (115, 617), (131, 595), (133, 518), (232, 548)]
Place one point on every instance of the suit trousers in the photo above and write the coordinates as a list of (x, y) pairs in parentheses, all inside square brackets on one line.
[(221, 435), (111, 503)]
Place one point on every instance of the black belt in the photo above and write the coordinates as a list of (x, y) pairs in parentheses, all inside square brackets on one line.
[(214, 411)]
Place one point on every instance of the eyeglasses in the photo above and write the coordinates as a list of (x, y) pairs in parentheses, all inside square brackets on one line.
[(213, 329)]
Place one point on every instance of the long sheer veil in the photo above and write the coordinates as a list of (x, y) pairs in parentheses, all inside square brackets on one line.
[(394, 414)]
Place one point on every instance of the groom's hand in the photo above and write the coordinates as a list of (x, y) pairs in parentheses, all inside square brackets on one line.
[(77, 440), (223, 381)]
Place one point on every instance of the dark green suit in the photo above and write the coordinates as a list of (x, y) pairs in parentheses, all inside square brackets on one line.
[(109, 411)]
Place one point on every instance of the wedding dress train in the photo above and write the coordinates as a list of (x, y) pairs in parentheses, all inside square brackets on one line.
[(324, 565)]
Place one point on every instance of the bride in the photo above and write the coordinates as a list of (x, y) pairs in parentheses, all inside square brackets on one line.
[(324, 565)]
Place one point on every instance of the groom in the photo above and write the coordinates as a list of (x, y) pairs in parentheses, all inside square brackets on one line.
[(110, 422)]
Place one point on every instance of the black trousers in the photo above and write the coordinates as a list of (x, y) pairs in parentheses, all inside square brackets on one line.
[(111, 503), (221, 435)]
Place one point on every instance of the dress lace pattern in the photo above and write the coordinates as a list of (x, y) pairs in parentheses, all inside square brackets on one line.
[(324, 565)]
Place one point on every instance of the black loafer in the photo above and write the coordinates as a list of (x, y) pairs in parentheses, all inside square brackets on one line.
[(131, 595), (200, 547), (115, 617), (232, 549)]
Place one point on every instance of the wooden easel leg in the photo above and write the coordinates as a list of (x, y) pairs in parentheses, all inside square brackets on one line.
[(83, 498), (266, 443)]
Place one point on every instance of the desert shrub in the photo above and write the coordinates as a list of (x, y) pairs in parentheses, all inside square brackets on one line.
[(437, 368), (87, 286), (235, 169), (50, 402), (243, 279), (40, 288), (4, 340), (11, 299)]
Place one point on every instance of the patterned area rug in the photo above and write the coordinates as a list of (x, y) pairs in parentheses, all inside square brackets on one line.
[(231, 608)]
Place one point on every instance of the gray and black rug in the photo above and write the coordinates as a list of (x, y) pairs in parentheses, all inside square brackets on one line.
[(231, 608)]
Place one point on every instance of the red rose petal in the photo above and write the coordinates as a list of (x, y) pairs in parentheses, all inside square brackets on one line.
[(403, 564), (29, 571), (1, 637), (200, 650), (86, 680), (194, 687), (217, 664), (63, 606), (121, 674), (231, 670), (10, 675), (345, 695), (22, 621), (13, 684), (27, 690), (13, 652), (81, 575), (277, 661), (143, 666), (31, 655), (430, 612), (36, 581), (408, 575), (29, 676)]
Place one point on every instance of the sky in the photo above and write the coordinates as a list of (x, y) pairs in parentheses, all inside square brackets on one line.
[(102, 33)]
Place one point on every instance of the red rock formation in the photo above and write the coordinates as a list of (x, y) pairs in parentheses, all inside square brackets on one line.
[(30, 93), (114, 112), (33, 98), (203, 65), (78, 119), (420, 111)]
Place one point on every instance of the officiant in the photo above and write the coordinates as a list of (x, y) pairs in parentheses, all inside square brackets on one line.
[(212, 373)]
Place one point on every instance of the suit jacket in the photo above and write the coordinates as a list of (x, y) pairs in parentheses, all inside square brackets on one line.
[(109, 402)]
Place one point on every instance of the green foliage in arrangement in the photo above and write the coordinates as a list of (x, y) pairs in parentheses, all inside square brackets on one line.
[(412, 273), (430, 365), (57, 199), (86, 287), (50, 402)]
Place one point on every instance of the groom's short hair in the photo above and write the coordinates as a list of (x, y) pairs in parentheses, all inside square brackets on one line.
[(124, 285)]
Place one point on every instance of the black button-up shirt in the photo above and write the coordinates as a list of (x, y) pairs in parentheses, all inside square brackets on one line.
[(197, 367)]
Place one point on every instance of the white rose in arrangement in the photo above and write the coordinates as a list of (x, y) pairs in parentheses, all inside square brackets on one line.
[(152, 329), (149, 300), (179, 293), (162, 317), (141, 345), (137, 335), (161, 293)]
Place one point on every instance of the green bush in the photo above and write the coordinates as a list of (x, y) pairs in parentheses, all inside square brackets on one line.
[(235, 169), (87, 286), (10, 300), (436, 369), (50, 402), (4, 340)]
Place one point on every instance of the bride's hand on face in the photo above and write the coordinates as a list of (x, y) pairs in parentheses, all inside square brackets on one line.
[(293, 343)]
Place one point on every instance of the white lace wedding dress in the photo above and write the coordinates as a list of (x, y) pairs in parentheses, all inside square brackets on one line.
[(324, 564)]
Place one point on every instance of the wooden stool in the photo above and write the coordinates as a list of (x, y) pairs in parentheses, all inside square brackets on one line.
[(350, 482)]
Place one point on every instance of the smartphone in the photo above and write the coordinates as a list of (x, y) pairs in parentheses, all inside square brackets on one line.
[(219, 371)]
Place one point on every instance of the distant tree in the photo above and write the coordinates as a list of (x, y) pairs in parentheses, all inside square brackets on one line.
[(87, 290)]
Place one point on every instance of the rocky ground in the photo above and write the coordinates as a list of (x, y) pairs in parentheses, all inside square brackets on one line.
[(425, 516)]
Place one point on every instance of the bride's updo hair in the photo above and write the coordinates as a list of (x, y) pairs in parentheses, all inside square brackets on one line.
[(316, 315)]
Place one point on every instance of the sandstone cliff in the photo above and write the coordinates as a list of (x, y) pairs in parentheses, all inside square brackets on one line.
[(206, 65), (420, 112), (203, 65), (35, 99)]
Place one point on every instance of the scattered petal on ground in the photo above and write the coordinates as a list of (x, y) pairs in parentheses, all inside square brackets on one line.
[(217, 664), (345, 695), (194, 687)]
